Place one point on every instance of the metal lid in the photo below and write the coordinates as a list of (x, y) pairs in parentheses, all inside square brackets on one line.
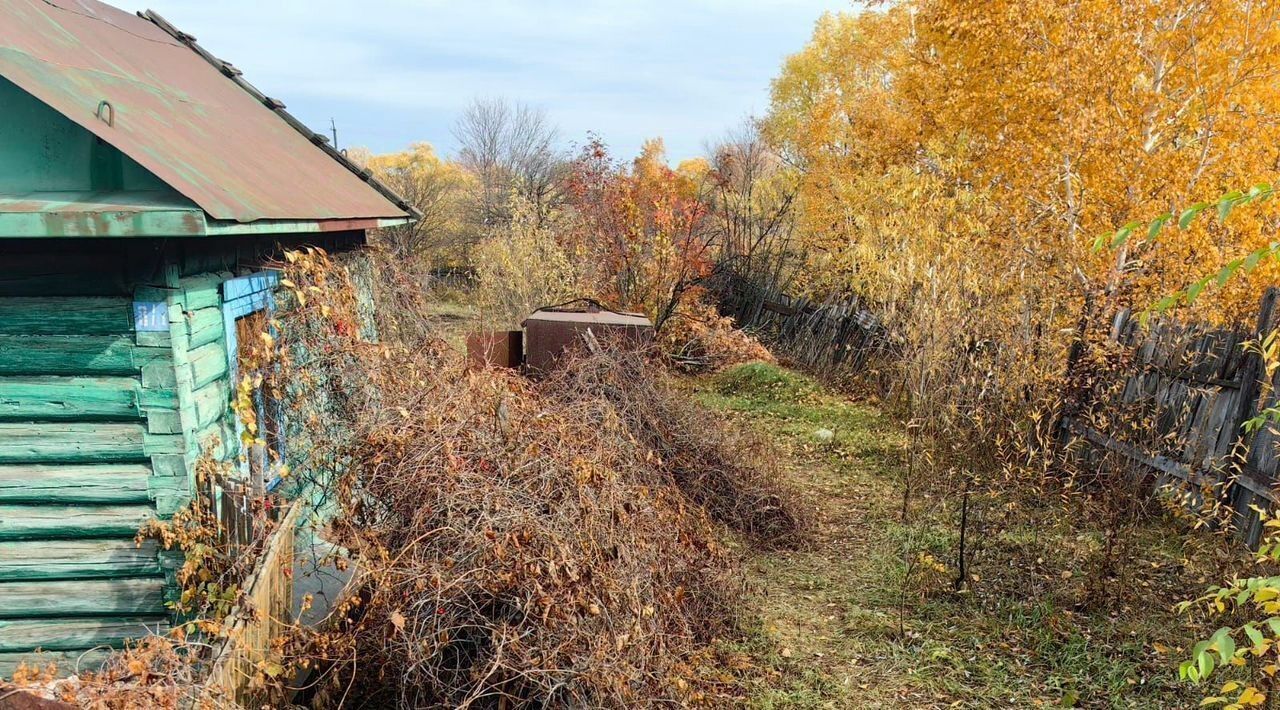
[(593, 313)]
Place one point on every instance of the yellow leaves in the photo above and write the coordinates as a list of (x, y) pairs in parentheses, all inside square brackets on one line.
[(879, 103), (1251, 697)]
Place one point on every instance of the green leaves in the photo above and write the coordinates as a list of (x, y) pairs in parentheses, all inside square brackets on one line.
[(1188, 295), (1202, 661), (1189, 215), (1154, 230), (1225, 204)]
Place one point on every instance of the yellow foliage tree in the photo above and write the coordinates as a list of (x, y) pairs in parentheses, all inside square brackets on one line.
[(438, 189), (1067, 118)]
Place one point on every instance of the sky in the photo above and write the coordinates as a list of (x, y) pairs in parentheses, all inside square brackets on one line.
[(393, 72)]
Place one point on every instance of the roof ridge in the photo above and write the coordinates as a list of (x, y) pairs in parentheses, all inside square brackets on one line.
[(230, 71)]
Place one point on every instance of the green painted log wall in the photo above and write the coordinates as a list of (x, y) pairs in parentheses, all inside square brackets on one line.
[(101, 426), (91, 448)]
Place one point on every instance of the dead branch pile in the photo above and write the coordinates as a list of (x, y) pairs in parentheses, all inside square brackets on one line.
[(729, 471), (520, 550), (515, 544)]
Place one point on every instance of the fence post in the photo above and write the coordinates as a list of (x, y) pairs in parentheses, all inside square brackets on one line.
[(1073, 393), (1251, 373)]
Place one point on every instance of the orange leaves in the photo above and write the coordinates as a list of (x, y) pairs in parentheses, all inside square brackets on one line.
[(642, 228)]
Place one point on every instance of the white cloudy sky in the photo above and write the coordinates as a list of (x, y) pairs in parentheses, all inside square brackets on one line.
[(391, 72)]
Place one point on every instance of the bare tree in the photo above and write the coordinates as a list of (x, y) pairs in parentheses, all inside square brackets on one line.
[(750, 193), (510, 148)]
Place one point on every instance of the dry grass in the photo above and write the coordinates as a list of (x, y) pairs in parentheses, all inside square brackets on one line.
[(826, 631), (730, 471)]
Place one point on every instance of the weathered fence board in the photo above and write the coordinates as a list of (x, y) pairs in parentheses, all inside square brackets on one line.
[(254, 626), (1179, 404), (835, 335)]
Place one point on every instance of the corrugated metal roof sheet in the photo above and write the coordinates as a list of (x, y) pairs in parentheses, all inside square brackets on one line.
[(180, 113)]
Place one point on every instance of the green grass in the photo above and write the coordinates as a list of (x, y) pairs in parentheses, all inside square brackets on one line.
[(827, 620)]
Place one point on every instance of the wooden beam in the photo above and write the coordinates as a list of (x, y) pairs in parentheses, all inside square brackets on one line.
[(66, 662), (106, 483), (75, 634), (75, 598), (72, 443), (78, 559), (66, 316), (42, 522), (30, 399), (66, 355)]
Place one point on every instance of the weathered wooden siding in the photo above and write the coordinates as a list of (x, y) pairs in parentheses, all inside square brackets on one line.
[(89, 452), (1177, 406), (254, 627), (101, 423)]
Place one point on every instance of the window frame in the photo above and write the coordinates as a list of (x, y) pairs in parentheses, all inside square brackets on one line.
[(244, 296)]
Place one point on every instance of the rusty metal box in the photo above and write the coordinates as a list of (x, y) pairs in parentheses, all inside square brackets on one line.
[(550, 332)]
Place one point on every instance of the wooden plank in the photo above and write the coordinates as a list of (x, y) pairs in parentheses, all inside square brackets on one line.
[(75, 634), (110, 483), (75, 598), (63, 273), (67, 663), (69, 398), (211, 403), (44, 522), (253, 636), (66, 316), (205, 326), (208, 364), (158, 398), (78, 559), (204, 291), (71, 443), (66, 355)]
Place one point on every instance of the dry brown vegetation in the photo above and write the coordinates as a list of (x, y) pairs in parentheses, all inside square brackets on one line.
[(554, 543)]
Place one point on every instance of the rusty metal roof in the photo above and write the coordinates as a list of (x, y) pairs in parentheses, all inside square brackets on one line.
[(182, 114), (589, 311), (596, 318)]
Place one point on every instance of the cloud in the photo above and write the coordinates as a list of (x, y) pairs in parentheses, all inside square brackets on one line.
[(395, 71)]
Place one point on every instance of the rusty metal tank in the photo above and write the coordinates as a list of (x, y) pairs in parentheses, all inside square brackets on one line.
[(550, 332)]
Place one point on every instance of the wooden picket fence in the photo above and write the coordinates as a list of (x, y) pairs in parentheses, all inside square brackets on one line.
[(835, 335), (246, 651), (1178, 407)]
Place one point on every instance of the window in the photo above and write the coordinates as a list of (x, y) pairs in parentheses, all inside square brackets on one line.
[(248, 305)]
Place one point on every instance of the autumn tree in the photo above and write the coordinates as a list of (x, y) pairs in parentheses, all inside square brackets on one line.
[(750, 195), (436, 188), (640, 228), (958, 160), (1071, 117)]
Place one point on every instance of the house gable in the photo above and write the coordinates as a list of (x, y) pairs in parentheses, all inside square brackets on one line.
[(43, 151)]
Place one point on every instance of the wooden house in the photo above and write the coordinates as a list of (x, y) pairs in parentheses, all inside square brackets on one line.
[(143, 186)]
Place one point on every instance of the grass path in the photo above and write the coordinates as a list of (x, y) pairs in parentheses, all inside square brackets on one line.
[(827, 629)]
